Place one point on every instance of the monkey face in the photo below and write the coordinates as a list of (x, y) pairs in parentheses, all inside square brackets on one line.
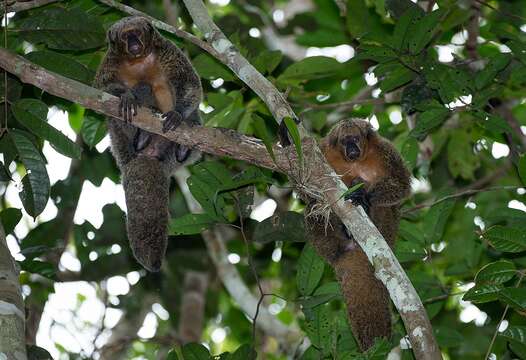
[(351, 138), (132, 37)]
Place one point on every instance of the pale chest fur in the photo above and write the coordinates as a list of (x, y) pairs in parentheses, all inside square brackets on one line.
[(369, 169), (148, 70)]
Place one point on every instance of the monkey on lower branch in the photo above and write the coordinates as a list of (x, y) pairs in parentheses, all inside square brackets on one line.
[(359, 155), (145, 69)]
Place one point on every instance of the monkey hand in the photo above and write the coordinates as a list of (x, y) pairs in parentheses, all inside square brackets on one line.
[(128, 105), (172, 119), (359, 196)]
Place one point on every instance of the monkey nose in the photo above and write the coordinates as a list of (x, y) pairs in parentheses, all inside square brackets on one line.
[(134, 48)]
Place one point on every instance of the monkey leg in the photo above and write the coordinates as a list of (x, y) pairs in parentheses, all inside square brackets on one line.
[(366, 298), (146, 189)]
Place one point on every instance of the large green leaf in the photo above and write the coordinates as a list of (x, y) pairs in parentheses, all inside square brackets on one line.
[(294, 133), (364, 22), (397, 78), (435, 220), (403, 24), (244, 352), (190, 224), (497, 272), (483, 293), (496, 64), (10, 217), (314, 67), (422, 30), (506, 239), (93, 130), (515, 333), (35, 192), (63, 65), (262, 132), (43, 268), (286, 227), (63, 29), (32, 113), (429, 120), (318, 326), (194, 351), (209, 68), (516, 297), (310, 270), (462, 160)]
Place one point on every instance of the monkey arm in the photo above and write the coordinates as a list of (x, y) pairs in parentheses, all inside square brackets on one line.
[(395, 186), (183, 78)]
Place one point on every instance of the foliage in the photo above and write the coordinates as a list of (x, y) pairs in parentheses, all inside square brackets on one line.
[(446, 106)]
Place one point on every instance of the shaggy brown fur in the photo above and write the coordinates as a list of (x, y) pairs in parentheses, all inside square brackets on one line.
[(144, 69), (360, 155)]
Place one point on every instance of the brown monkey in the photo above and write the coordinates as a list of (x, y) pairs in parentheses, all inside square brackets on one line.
[(359, 155), (145, 69)]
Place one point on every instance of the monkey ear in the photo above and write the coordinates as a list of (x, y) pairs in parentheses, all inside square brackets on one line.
[(111, 36)]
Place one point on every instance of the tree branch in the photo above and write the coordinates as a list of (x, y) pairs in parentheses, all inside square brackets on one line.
[(319, 178), (26, 5), (12, 318)]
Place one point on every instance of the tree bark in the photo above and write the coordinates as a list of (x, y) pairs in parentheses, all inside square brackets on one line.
[(12, 317)]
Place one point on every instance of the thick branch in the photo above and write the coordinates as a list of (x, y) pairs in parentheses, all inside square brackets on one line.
[(12, 318), (228, 143), (192, 316)]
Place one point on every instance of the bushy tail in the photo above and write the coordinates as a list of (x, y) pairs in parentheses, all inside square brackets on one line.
[(146, 188), (366, 298)]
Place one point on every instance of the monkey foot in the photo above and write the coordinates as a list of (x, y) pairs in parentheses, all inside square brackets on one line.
[(172, 119)]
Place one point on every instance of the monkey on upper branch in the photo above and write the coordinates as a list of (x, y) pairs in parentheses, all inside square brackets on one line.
[(359, 155), (145, 69)]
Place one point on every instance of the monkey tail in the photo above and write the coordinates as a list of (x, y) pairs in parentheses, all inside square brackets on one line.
[(366, 297), (146, 188)]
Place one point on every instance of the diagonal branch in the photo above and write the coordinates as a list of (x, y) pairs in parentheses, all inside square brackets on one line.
[(320, 176)]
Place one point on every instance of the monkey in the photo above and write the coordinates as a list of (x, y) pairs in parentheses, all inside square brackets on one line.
[(360, 155), (144, 69)]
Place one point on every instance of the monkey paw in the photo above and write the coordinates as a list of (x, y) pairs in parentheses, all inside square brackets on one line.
[(128, 106), (172, 119), (359, 197)]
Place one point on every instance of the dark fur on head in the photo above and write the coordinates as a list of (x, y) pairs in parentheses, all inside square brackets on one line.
[(133, 36), (352, 137)]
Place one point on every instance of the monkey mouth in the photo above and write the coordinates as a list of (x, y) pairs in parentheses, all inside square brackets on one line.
[(134, 46), (352, 151)]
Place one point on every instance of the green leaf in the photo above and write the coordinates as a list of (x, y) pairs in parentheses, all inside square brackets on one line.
[(448, 337), (5, 174), (10, 217), (364, 22), (490, 122), (497, 272), (194, 351), (314, 67), (351, 190), (286, 227), (190, 224), (244, 352), (422, 30), (63, 29), (482, 293), (43, 268), (292, 128), (35, 191), (515, 297), (522, 168), (515, 333), (397, 78), (436, 219), (377, 53), (209, 68), (63, 65), (409, 251), (310, 270), (506, 239), (267, 61), (172, 355), (318, 326), (34, 251), (428, 121), (409, 152), (316, 300), (93, 130), (462, 160), (496, 64), (37, 353), (411, 15), (261, 131), (32, 113), (312, 354)]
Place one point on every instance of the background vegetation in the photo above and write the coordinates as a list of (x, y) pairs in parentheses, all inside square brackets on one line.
[(444, 80)]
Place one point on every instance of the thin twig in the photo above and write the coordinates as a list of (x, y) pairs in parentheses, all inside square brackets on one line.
[(500, 11), (502, 319), (4, 127), (26, 5)]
